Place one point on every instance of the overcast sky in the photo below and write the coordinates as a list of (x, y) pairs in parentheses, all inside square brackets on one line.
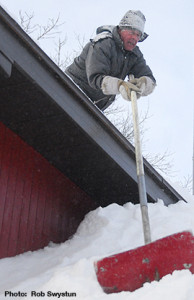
[(168, 51)]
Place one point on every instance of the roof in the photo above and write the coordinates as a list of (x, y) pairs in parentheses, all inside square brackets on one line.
[(48, 111)]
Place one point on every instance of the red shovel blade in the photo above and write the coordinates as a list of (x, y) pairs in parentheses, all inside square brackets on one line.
[(129, 270)]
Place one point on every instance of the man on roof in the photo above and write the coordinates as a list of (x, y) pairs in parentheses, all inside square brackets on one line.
[(102, 69)]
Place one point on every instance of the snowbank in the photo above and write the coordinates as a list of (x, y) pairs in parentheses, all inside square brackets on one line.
[(67, 269)]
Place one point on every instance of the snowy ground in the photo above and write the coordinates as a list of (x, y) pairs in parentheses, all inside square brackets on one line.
[(67, 269)]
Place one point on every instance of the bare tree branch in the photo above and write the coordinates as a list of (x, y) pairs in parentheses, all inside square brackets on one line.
[(187, 182), (81, 42), (123, 120), (26, 22), (162, 162), (50, 30), (61, 61)]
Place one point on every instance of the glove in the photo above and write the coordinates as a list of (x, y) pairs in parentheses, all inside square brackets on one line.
[(125, 88), (109, 85), (113, 86), (145, 84)]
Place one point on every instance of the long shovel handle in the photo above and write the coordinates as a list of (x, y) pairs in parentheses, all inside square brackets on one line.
[(140, 170)]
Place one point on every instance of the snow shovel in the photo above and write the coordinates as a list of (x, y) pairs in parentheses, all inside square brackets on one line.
[(129, 270)]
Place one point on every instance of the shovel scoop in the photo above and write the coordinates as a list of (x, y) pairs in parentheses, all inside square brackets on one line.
[(129, 270)]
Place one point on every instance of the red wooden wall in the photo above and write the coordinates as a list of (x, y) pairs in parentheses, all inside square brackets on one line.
[(38, 203)]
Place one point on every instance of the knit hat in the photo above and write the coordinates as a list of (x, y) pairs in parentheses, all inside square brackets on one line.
[(136, 20)]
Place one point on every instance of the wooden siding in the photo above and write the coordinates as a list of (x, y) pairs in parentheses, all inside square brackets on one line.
[(38, 204)]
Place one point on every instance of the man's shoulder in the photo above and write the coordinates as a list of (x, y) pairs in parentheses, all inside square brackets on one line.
[(103, 32), (101, 36)]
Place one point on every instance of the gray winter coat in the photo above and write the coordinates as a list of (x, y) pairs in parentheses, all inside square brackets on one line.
[(104, 55)]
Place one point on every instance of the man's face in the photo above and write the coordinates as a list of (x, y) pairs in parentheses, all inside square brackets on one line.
[(130, 37)]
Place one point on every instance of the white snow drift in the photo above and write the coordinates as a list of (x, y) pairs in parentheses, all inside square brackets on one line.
[(66, 270)]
